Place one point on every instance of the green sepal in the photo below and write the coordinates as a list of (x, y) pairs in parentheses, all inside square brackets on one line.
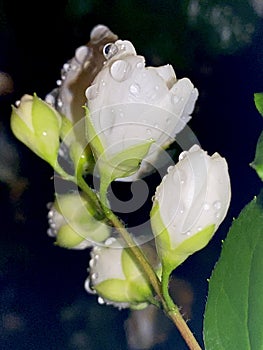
[(173, 257), (46, 122), (258, 99), (139, 286), (93, 138), (257, 164), (82, 158), (113, 289), (67, 237)]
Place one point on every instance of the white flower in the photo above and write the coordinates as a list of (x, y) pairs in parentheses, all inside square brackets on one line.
[(72, 222), (116, 277), (190, 203), (135, 106)]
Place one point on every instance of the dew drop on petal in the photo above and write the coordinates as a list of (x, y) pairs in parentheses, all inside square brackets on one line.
[(91, 92), (135, 89), (92, 263), (206, 206), (120, 70), (148, 131), (174, 99), (94, 276), (59, 103), (81, 53), (182, 155), (140, 65), (110, 50), (187, 233), (58, 82), (217, 205), (169, 169)]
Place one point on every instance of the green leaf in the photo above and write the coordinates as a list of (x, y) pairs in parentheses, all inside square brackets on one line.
[(234, 310), (258, 98), (258, 161)]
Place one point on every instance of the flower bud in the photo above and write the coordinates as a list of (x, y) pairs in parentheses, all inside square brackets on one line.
[(72, 221), (37, 125), (134, 110), (116, 277), (189, 205)]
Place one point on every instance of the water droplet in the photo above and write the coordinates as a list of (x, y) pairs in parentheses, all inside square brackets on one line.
[(120, 70), (101, 301), (148, 131), (156, 87), (92, 263), (44, 133), (135, 89), (140, 65), (66, 67), (51, 233), (182, 182), (174, 99), (109, 241), (182, 155), (187, 233), (50, 214), (81, 53), (103, 83), (156, 125), (94, 276), (206, 206), (217, 215), (217, 205), (169, 168), (181, 211), (109, 50), (92, 92), (59, 103), (153, 198), (58, 82), (199, 228)]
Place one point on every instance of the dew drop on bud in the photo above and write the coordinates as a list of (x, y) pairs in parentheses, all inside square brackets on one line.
[(81, 53), (120, 70), (91, 92), (135, 89), (206, 206), (217, 205), (182, 155), (139, 65), (94, 276), (109, 50), (101, 301)]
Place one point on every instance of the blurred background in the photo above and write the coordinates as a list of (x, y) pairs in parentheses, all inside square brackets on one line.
[(217, 44)]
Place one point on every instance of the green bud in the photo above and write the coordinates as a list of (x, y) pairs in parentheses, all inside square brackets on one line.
[(73, 224), (116, 277), (37, 124)]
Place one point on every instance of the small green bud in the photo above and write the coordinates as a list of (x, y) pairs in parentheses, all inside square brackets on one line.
[(73, 224), (37, 124)]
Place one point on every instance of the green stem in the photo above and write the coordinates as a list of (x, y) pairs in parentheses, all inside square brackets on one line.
[(174, 314), (161, 289), (171, 310), (92, 197)]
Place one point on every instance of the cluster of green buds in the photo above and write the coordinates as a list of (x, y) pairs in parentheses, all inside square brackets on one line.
[(131, 113)]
